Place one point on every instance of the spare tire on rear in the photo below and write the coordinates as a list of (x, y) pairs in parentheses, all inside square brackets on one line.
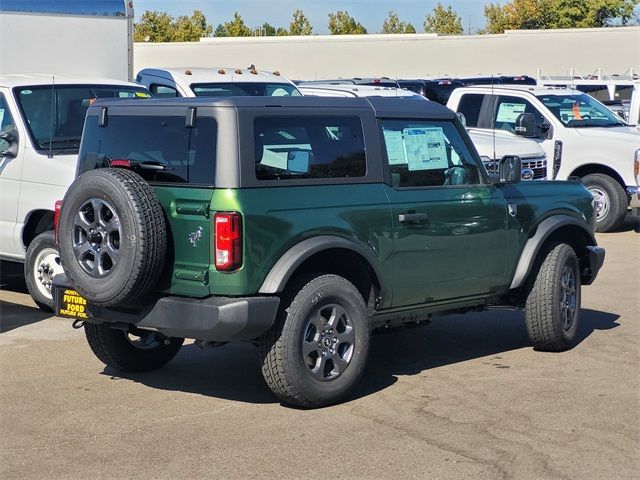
[(112, 236)]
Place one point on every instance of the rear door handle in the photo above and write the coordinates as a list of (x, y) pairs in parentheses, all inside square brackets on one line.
[(412, 217)]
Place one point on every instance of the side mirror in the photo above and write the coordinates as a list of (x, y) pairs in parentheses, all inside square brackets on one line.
[(462, 118), (526, 125), (9, 142), (298, 161), (510, 169)]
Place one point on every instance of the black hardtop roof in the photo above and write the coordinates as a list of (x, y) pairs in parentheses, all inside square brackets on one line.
[(382, 106)]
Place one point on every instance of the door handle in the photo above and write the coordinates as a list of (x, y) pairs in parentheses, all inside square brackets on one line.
[(412, 217)]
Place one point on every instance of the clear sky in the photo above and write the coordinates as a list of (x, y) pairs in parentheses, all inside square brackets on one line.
[(370, 13)]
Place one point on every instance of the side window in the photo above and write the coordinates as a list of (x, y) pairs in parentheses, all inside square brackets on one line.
[(6, 122), (469, 106), (288, 147), (428, 154), (508, 109), (163, 91)]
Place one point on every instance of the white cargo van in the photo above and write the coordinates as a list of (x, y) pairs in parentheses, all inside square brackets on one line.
[(580, 136), (214, 82), (41, 121), (491, 146)]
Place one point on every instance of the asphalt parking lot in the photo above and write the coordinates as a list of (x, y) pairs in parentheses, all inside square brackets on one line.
[(464, 397)]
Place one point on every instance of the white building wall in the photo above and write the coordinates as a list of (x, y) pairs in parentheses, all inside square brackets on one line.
[(615, 50)]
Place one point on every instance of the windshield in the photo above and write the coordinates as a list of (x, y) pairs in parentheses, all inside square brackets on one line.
[(55, 114), (580, 111), (251, 89)]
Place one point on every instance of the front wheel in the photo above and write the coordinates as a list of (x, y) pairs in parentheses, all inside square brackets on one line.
[(552, 309), (135, 351), (317, 351), (42, 263), (610, 201)]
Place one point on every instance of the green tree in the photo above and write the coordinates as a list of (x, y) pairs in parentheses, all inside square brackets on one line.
[(444, 21), (237, 27), (269, 30), (282, 32), (393, 24), (154, 27), (300, 25), (191, 29), (541, 14), (341, 23), (220, 31)]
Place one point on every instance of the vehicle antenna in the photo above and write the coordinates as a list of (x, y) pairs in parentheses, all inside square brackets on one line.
[(493, 124), (53, 91)]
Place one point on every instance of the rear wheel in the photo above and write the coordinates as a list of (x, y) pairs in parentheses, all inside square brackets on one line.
[(317, 351), (131, 351), (610, 201), (42, 263), (552, 309)]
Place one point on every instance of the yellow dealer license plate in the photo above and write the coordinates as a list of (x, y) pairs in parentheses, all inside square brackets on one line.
[(70, 304)]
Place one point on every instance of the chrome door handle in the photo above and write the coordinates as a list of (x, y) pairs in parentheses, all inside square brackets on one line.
[(412, 217)]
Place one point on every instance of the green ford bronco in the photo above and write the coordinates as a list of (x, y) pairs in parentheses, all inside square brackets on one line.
[(303, 225)]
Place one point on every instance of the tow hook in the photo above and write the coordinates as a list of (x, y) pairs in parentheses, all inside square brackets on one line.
[(77, 324)]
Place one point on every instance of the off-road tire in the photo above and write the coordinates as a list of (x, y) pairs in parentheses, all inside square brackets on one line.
[(543, 313), (113, 348), (45, 242), (142, 242), (283, 363), (617, 198)]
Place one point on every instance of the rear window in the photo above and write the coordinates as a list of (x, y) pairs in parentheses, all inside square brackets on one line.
[(599, 92), (297, 147), (160, 149), (237, 89)]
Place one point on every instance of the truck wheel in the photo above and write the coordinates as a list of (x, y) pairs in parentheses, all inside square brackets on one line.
[(317, 351), (128, 352), (610, 201), (41, 264), (112, 236), (552, 309)]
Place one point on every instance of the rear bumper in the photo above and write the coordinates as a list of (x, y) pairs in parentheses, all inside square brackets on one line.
[(595, 257), (210, 319)]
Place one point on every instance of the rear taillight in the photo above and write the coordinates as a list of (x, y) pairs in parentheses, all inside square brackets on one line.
[(228, 241), (56, 218), (636, 163)]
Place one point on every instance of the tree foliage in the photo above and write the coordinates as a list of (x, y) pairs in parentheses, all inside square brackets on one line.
[(393, 24), (300, 25), (161, 27), (542, 14), (341, 23), (444, 21), (236, 27)]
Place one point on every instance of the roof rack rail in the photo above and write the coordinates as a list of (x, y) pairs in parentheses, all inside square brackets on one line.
[(598, 75)]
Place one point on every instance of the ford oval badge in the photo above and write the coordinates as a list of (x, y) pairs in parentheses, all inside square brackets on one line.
[(527, 174)]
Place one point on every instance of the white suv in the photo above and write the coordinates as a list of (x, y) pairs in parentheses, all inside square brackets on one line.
[(580, 136)]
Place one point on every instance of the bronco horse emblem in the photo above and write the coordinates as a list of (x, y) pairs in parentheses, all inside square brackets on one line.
[(194, 237)]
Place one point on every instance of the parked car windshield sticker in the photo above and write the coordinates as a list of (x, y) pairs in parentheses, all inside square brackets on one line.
[(277, 156), (395, 147), (425, 148), (508, 112)]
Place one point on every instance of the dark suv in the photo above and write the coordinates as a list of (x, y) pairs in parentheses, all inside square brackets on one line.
[(304, 224)]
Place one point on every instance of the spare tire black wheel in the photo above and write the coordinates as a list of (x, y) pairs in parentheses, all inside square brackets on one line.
[(112, 236)]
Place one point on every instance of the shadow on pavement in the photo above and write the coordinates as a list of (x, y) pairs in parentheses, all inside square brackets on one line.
[(14, 316), (12, 277), (631, 223), (232, 372)]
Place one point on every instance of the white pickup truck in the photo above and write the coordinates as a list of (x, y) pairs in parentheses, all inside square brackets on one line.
[(491, 145), (580, 136), (41, 121)]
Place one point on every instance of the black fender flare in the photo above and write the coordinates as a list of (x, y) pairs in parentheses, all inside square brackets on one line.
[(287, 264), (533, 245)]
